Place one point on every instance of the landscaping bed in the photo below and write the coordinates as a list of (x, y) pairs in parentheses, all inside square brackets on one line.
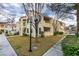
[(70, 45), (21, 45)]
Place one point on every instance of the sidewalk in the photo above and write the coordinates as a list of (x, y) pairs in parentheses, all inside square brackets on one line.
[(55, 50), (5, 47)]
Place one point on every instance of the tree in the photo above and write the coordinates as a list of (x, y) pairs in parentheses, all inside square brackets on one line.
[(35, 9), (76, 7), (38, 9), (61, 11)]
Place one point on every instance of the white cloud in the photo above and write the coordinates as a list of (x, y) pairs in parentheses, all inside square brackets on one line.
[(16, 9), (5, 4), (17, 19), (6, 11), (2, 18), (19, 15), (15, 4)]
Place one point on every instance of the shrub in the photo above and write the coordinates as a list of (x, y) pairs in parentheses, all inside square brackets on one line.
[(71, 50), (58, 33), (17, 33), (77, 34), (0, 32), (25, 35), (55, 33), (8, 33), (42, 34)]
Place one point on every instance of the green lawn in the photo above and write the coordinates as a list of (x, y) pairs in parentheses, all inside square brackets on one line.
[(70, 46), (21, 45)]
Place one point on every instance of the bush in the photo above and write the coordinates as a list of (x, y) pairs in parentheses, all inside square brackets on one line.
[(55, 33), (42, 34), (17, 33), (58, 33), (0, 32), (71, 50), (8, 33), (77, 34), (25, 35)]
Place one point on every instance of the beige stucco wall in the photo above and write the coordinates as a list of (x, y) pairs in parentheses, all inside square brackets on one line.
[(41, 25), (61, 27), (21, 26), (17, 26), (49, 25), (2, 27)]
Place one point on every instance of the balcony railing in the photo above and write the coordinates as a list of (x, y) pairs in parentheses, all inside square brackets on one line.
[(47, 24)]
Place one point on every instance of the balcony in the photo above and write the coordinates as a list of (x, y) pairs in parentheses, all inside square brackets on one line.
[(24, 23), (47, 22)]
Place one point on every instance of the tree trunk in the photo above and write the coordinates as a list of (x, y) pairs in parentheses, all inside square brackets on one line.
[(77, 20), (36, 30), (36, 33)]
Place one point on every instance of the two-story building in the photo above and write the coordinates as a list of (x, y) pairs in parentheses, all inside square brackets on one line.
[(45, 26), (5, 27)]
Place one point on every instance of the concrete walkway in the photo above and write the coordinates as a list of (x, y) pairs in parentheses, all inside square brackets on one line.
[(55, 50), (5, 47)]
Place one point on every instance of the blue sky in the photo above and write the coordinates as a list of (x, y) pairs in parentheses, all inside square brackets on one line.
[(16, 10)]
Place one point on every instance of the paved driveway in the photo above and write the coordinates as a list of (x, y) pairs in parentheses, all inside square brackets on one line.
[(5, 47)]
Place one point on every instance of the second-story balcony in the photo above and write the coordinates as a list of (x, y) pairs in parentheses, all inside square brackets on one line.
[(47, 22)]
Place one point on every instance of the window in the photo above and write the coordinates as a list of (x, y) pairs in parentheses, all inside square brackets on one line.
[(24, 19), (24, 30), (27, 30), (61, 23), (39, 30), (24, 23), (47, 19), (46, 29)]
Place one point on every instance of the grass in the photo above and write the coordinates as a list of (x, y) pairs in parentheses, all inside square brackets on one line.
[(70, 46), (21, 45)]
